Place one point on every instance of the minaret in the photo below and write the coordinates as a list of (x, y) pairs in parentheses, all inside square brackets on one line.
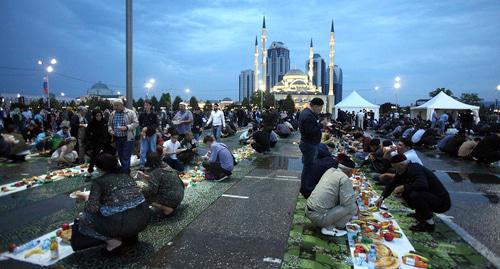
[(256, 66), (331, 90), (264, 54), (311, 63)]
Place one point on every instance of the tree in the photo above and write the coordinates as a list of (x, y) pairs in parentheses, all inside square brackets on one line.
[(255, 99), (288, 104), (139, 103), (471, 99), (269, 99), (387, 108), (438, 90), (245, 103), (208, 106), (165, 101), (154, 102), (193, 103), (177, 101)]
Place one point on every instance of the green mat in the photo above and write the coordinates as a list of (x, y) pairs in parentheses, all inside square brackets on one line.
[(308, 248)]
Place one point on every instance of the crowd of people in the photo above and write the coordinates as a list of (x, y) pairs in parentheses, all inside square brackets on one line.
[(332, 149), (118, 208)]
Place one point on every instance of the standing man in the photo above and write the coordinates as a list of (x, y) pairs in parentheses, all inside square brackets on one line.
[(310, 137), (218, 121), (121, 125), (197, 123), (148, 122), (79, 123), (442, 122), (183, 120)]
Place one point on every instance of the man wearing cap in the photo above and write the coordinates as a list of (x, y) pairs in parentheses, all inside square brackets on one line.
[(183, 120), (333, 201), (218, 122), (121, 125), (64, 132), (310, 136), (420, 189), (148, 122)]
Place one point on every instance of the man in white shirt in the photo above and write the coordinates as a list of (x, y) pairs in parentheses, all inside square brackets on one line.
[(361, 117), (218, 122), (404, 146), (170, 150), (417, 136)]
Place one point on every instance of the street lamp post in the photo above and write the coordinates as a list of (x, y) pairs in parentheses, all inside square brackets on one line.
[(49, 69), (397, 85), (496, 99), (149, 85), (376, 90)]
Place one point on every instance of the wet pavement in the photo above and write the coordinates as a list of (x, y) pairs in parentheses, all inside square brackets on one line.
[(474, 191), (242, 222)]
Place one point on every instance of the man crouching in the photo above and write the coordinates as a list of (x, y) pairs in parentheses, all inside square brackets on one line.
[(333, 201)]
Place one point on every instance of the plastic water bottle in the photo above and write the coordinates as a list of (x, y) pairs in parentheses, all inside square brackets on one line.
[(46, 244), (372, 257), (29, 245)]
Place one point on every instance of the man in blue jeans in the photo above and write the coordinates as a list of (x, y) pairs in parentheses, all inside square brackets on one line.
[(218, 121), (148, 122), (121, 125), (310, 137)]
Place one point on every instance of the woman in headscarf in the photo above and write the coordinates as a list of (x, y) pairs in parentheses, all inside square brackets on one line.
[(164, 189), (98, 139), (115, 210)]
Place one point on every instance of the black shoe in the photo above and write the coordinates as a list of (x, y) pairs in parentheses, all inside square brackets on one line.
[(422, 227), (131, 240)]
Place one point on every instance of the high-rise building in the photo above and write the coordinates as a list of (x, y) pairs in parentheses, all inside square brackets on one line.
[(320, 75), (246, 84), (278, 63), (337, 82)]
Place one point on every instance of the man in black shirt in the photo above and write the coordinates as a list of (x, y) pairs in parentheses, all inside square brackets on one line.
[(148, 122), (310, 137), (421, 190)]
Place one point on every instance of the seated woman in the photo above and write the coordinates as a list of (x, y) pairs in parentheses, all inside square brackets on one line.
[(115, 210), (66, 153), (190, 145), (164, 189), (282, 130), (245, 136)]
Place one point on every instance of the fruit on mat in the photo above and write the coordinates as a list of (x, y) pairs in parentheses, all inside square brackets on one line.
[(388, 237), (12, 247), (33, 251), (416, 260), (65, 226)]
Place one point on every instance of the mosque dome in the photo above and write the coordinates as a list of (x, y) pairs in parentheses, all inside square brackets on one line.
[(100, 89), (295, 72)]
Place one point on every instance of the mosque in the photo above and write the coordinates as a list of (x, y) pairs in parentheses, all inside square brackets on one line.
[(295, 82)]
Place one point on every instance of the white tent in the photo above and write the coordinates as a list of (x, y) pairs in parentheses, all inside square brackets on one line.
[(442, 102), (355, 102)]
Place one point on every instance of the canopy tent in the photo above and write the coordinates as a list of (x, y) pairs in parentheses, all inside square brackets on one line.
[(444, 102), (355, 102)]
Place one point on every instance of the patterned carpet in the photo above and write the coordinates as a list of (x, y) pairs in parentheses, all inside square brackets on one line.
[(308, 248)]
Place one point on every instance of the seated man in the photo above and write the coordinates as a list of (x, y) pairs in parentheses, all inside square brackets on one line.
[(404, 146), (64, 132), (170, 150), (487, 150), (245, 136), (323, 162), (260, 141), (451, 147), (190, 145), (42, 142), (467, 147), (420, 189), (273, 139), (220, 164), (333, 202), (282, 130)]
